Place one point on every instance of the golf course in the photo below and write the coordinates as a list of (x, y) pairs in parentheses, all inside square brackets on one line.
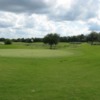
[(34, 72)]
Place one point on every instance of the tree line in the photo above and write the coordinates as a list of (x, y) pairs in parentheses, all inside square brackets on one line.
[(93, 38)]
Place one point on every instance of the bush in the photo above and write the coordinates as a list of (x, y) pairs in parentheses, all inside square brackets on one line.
[(7, 42)]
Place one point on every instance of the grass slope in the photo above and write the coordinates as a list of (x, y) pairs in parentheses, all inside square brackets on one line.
[(74, 77)]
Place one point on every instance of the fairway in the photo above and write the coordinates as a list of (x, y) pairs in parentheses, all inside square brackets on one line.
[(33, 53), (70, 72)]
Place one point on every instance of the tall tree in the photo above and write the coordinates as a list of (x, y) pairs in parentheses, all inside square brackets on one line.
[(92, 37), (51, 39)]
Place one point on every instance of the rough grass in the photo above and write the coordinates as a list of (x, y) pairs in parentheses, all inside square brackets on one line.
[(75, 77)]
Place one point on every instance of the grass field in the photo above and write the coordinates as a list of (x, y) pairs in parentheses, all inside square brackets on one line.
[(33, 72)]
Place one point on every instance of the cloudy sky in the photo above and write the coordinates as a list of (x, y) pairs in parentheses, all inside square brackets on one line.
[(36, 18)]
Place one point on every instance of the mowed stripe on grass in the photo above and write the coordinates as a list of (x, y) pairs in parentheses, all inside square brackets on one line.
[(33, 53)]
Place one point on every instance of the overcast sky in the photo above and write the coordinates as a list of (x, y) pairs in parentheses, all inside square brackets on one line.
[(36, 18)]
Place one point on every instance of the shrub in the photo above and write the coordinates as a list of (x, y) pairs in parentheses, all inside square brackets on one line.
[(7, 42)]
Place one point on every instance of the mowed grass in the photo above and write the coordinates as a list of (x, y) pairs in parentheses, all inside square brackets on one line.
[(33, 53), (74, 76)]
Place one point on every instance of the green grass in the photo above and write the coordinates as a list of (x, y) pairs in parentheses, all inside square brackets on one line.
[(33, 53), (70, 72)]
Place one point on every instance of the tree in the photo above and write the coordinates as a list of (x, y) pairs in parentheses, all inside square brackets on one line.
[(7, 42), (98, 37), (81, 38), (29, 40), (92, 37), (51, 39)]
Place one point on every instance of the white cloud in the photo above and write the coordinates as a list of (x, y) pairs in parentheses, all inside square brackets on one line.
[(38, 26), (35, 18)]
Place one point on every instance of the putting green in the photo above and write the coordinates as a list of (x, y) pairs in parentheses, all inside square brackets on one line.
[(33, 53)]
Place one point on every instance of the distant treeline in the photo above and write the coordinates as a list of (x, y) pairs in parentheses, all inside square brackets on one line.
[(27, 40), (91, 38)]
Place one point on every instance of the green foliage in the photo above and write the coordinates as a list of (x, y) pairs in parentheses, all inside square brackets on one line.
[(28, 40), (7, 42), (51, 39), (93, 37)]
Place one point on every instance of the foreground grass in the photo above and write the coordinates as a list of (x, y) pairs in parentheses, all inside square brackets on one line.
[(70, 77)]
